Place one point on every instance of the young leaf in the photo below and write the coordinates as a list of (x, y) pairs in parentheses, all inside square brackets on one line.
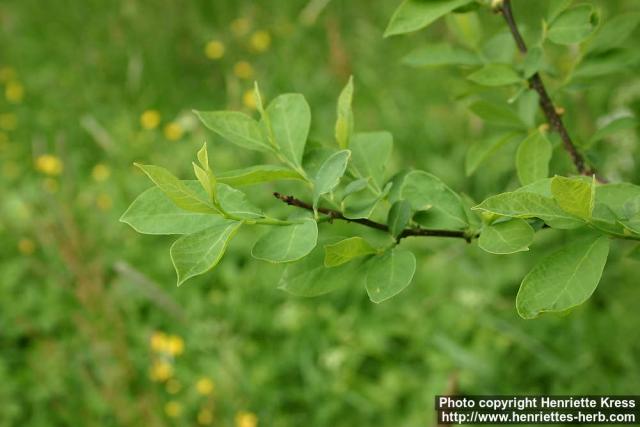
[(197, 253), (399, 216), (532, 62), (482, 150), (290, 119), (203, 157), (371, 152), (234, 202), (344, 123), (286, 243), (506, 237), (329, 174), (413, 15), (497, 114), (564, 279), (574, 195), (235, 127), (341, 252), (573, 25), (495, 75), (358, 205), (355, 187), (388, 274), (152, 212), (207, 180), (258, 175), (532, 158), (183, 196), (436, 55)]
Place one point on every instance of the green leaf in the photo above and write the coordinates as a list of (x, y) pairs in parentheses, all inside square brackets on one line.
[(436, 55), (183, 196), (235, 127), (399, 216), (556, 8), (574, 195), (341, 252), (425, 191), (289, 120), (344, 123), (355, 187), (614, 32), (197, 253), (207, 180), (413, 15), (388, 274), (573, 25), (613, 127), (532, 158), (482, 150), (564, 279), (528, 104), (329, 174), (616, 196), (258, 175), (309, 277), (532, 62), (234, 202), (152, 212), (371, 152), (520, 204), (506, 237), (495, 75), (286, 243), (497, 114)]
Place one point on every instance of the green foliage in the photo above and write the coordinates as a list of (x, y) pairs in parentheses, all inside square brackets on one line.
[(506, 237), (388, 274), (572, 25), (345, 250), (532, 158), (287, 243), (413, 15)]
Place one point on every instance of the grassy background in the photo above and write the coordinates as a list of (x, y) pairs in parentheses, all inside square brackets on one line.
[(94, 332)]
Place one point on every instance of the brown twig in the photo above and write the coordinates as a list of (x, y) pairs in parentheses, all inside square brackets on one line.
[(546, 104), (408, 232)]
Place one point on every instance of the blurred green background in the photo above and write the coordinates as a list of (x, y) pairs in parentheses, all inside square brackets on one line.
[(93, 330)]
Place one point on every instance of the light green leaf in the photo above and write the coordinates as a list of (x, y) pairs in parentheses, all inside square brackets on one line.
[(413, 15), (203, 157), (528, 105), (371, 153), (574, 195), (556, 8), (183, 196), (495, 75), (235, 127), (532, 62), (573, 25), (286, 243), (344, 123), (564, 279), (197, 253), (425, 191), (358, 205), (207, 180), (436, 55), (290, 119), (388, 274), (355, 187), (152, 212), (341, 252), (499, 49), (399, 216), (506, 237), (258, 175), (614, 32), (613, 127), (497, 114), (482, 150), (234, 202), (532, 158), (616, 196), (329, 174), (309, 277)]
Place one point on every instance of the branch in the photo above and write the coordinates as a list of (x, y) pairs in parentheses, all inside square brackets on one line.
[(550, 111), (408, 232)]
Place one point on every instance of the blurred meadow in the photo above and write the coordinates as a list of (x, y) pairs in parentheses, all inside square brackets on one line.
[(94, 331)]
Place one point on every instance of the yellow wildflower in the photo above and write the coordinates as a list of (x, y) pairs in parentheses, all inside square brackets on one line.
[(214, 49), (14, 92), (249, 99), (173, 131), (175, 345), (6, 74), (240, 26), (243, 70), (260, 41), (8, 121), (205, 417), (173, 409), (100, 172), (204, 386), (158, 341), (150, 119), (104, 202), (49, 164), (50, 185), (246, 419), (173, 386), (161, 370), (26, 246)]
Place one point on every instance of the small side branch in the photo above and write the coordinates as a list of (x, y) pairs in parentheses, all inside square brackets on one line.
[(408, 232), (546, 104)]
